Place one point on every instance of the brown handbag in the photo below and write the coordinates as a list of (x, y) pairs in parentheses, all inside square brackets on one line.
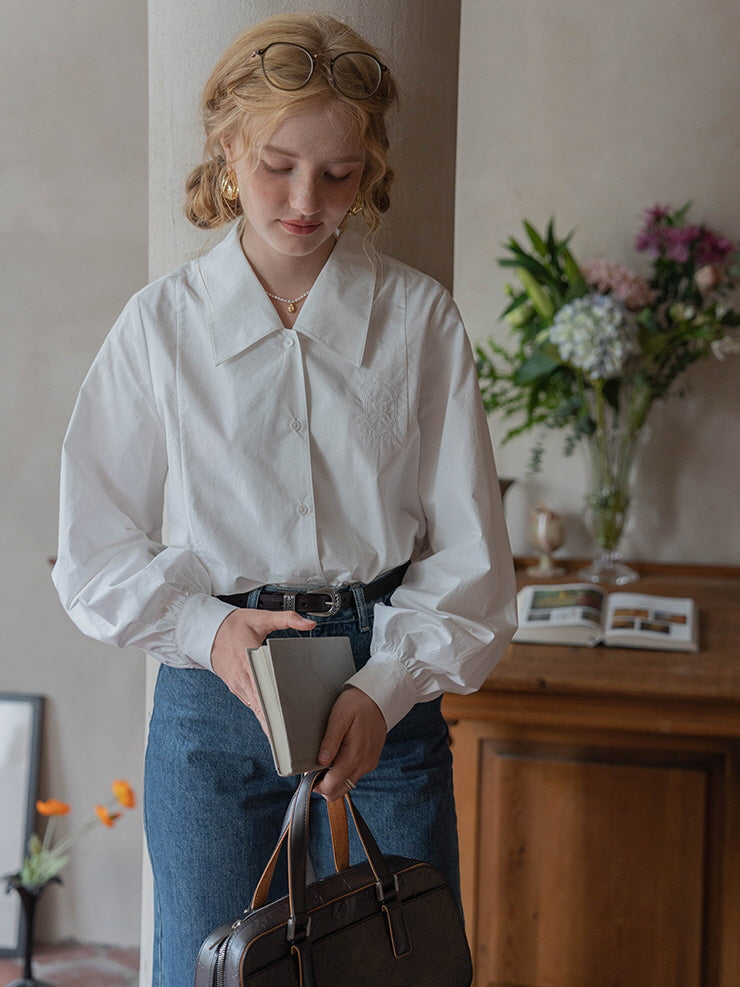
[(386, 922)]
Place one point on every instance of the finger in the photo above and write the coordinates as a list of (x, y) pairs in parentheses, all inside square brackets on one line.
[(356, 732), (356, 724), (334, 735), (338, 782), (278, 620), (334, 786)]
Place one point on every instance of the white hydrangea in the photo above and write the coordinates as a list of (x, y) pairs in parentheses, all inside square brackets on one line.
[(594, 334)]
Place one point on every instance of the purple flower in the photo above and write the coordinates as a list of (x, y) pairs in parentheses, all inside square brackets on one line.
[(713, 249), (651, 241), (678, 242), (657, 213), (666, 235)]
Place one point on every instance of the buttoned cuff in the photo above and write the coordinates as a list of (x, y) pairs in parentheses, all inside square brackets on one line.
[(197, 625), (388, 684)]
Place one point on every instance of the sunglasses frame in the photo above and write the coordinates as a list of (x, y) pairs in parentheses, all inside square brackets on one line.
[(292, 89)]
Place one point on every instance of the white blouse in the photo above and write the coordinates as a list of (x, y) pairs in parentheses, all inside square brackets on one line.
[(322, 455)]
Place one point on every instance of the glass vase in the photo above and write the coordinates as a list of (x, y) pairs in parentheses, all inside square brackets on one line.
[(611, 458)]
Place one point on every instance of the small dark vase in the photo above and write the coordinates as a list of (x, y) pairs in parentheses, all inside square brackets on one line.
[(29, 900)]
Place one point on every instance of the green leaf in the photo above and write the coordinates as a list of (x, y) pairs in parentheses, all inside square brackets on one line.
[(537, 242), (551, 241), (573, 273), (537, 365)]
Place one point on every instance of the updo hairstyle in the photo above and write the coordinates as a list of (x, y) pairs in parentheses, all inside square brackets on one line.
[(238, 100)]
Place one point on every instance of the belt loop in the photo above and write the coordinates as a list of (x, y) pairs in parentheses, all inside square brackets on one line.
[(361, 605), (253, 598)]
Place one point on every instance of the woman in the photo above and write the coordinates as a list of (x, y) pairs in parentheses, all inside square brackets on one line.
[(305, 415)]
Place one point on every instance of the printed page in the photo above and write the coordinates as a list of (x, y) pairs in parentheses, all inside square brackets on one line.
[(651, 621), (568, 613)]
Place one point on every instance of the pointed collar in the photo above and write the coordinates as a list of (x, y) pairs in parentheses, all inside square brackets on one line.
[(336, 312)]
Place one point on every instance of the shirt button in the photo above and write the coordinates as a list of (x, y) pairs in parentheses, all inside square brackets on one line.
[(295, 425), (303, 509), (288, 342)]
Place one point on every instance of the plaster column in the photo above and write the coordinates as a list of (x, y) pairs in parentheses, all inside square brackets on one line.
[(418, 39)]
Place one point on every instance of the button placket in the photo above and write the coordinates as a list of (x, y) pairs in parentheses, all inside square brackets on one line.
[(297, 422)]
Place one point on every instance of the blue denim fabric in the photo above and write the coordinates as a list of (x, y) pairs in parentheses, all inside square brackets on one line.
[(213, 803)]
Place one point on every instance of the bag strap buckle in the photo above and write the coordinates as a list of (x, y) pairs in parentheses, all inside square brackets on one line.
[(388, 891), (298, 930)]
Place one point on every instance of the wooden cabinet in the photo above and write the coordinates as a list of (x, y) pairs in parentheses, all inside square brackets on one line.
[(598, 796)]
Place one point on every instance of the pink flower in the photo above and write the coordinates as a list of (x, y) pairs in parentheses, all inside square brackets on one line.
[(708, 277), (609, 277), (678, 241)]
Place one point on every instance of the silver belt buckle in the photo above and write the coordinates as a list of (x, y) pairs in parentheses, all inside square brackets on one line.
[(334, 607)]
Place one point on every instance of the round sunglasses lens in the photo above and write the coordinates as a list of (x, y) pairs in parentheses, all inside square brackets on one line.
[(286, 66), (356, 74)]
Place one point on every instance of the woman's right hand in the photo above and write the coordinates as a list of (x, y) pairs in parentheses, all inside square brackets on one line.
[(241, 630)]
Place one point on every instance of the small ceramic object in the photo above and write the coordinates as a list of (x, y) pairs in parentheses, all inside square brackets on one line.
[(546, 533)]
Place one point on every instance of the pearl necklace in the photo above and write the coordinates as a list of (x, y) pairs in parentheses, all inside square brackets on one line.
[(290, 302)]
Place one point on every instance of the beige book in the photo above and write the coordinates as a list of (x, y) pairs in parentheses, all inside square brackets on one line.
[(297, 681)]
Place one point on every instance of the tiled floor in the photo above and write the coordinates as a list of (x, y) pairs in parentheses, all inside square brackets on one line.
[(75, 965)]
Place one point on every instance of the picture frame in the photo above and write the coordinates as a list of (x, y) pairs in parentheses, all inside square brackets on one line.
[(21, 717)]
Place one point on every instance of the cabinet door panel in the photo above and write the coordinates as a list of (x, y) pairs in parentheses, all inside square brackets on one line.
[(589, 873)]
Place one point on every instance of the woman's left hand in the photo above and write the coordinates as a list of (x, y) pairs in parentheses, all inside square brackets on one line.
[(352, 744)]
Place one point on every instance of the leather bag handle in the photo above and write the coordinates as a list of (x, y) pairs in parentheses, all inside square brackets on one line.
[(295, 831), (298, 853), (339, 842)]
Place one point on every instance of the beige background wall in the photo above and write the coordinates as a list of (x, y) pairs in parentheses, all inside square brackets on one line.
[(73, 117), (592, 111), (589, 110)]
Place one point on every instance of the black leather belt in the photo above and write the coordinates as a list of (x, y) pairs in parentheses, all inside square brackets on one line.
[(319, 602)]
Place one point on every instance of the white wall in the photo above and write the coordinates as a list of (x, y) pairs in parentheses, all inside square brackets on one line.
[(591, 111), (72, 248)]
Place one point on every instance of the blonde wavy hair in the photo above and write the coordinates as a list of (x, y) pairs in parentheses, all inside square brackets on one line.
[(238, 100)]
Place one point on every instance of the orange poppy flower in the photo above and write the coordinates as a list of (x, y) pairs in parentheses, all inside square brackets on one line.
[(124, 793), (52, 807), (106, 818)]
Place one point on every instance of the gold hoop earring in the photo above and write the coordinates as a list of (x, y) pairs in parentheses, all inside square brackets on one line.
[(229, 186), (358, 205)]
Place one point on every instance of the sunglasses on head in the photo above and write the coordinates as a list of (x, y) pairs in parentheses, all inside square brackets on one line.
[(288, 66)]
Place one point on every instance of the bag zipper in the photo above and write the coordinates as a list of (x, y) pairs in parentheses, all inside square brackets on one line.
[(221, 956)]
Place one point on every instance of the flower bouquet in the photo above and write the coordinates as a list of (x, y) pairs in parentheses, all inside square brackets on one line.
[(45, 858), (596, 345)]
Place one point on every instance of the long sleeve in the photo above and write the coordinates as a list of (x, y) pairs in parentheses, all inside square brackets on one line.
[(455, 612), (115, 578)]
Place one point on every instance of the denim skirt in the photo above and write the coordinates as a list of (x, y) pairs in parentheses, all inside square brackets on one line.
[(214, 804)]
